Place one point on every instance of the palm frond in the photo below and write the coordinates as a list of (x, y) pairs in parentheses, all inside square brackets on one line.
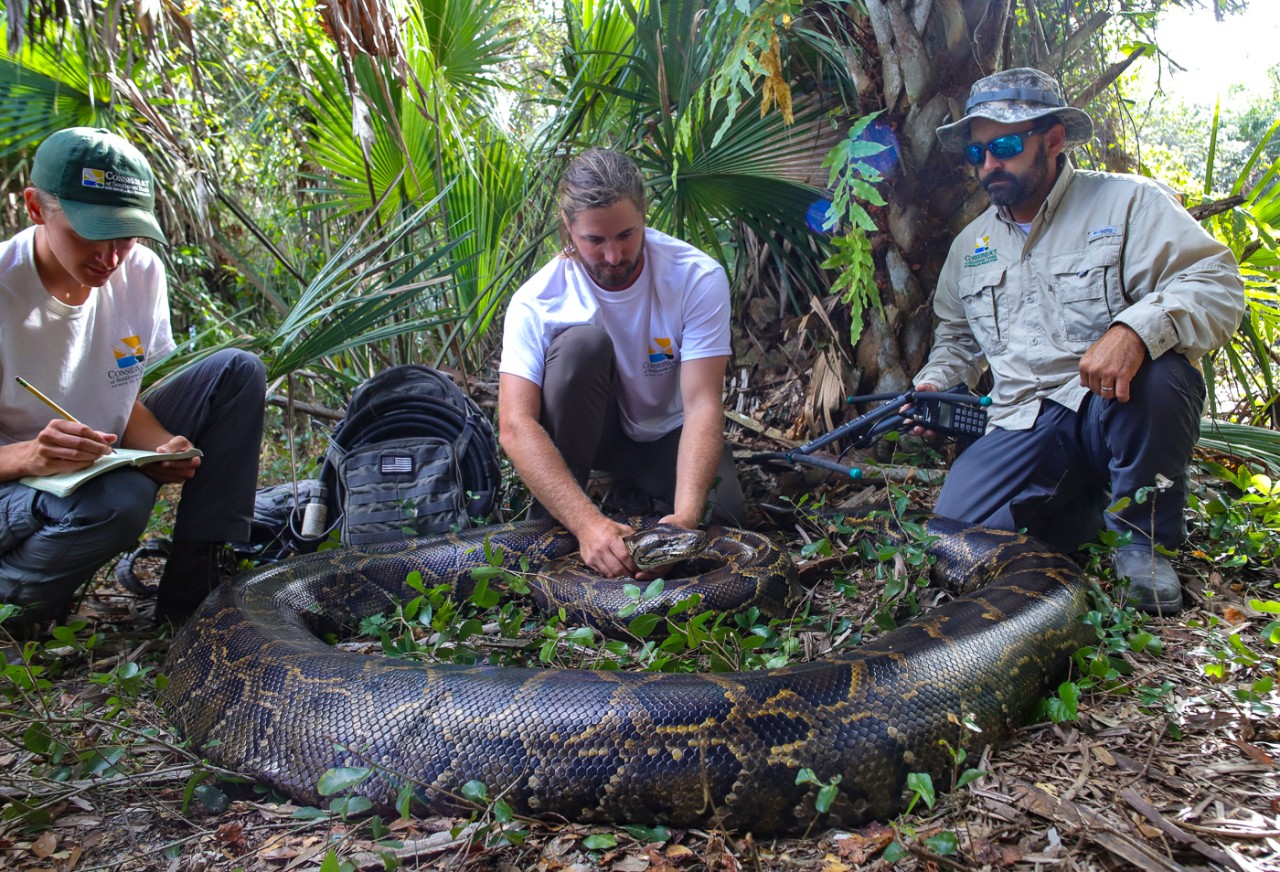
[(1241, 442)]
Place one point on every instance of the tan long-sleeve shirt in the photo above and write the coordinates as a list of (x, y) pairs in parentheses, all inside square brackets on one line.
[(1103, 249)]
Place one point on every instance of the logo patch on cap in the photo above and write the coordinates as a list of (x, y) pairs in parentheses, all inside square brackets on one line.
[(109, 181)]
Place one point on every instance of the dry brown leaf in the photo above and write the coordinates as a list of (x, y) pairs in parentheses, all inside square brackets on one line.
[(45, 845), (632, 863), (658, 862), (1233, 615), (1103, 756), (231, 835), (1253, 752), (858, 849)]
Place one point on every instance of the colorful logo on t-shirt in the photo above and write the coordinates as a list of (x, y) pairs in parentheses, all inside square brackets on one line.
[(129, 352), (663, 351)]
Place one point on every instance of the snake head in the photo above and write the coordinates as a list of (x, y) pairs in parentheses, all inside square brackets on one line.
[(665, 544)]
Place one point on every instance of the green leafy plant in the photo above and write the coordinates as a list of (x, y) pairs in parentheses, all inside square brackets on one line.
[(1241, 520), (493, 821)]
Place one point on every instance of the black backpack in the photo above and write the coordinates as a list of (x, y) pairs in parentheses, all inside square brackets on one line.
[(413, 456)]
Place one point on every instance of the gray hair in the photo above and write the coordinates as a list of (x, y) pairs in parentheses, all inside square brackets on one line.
[(596, 179)]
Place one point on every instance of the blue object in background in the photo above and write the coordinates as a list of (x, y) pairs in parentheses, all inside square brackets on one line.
[(818, 214)]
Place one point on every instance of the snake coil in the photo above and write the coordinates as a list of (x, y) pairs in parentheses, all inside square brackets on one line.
[(257, 692)]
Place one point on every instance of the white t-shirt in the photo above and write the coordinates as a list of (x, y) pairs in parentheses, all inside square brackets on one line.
[(88, 359), (678, 309)]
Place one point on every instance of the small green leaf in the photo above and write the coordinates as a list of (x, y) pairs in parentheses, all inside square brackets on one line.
[(1269, 607), (895, 853), (330, 863), (968, 776), (646, 835), (826, 796), (349, 806), (690, 602), (580, 636), (921, 783), (485, 573), (341, 779), (644, 625), (817, 548), (654, 590), (944, 844), (475, 791), (1120, 505), (599, 842), (37, 739)]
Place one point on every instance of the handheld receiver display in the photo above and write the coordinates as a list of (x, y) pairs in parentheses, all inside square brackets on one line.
[(946, 416), (955, 413)]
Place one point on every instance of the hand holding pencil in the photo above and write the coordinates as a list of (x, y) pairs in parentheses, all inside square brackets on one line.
[(65, 443)]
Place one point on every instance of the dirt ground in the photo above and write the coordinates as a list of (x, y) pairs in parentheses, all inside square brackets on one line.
[(1176, 768)]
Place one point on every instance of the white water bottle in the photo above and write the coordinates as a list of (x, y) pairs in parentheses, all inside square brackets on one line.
[(315, 514)]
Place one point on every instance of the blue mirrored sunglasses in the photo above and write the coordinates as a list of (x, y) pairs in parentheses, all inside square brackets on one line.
[(1002, 147)]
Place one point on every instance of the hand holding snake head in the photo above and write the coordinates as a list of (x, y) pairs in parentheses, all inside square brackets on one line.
[(664, 545)]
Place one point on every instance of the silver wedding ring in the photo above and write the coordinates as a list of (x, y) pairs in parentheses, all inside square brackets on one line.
[(1108, 389)]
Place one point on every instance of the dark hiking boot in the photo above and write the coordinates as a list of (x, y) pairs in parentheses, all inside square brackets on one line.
[(1154, 587), (192, 570)]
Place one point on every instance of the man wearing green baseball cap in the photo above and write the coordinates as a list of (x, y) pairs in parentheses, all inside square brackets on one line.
[(83, 310), (1091, 297)]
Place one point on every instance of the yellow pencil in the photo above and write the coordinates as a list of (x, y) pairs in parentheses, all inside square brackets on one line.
[(48, 402)]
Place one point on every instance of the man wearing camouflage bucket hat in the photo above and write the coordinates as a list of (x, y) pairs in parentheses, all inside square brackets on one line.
[(83, 311), (1092, 298)]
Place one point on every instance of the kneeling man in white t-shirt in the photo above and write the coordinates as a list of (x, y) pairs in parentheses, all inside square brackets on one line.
[(613, 358)]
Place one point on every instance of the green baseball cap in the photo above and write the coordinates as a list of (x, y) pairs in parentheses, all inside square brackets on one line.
[(104, 185)]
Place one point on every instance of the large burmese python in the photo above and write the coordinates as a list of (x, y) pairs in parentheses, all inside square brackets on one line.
[(257, 692)]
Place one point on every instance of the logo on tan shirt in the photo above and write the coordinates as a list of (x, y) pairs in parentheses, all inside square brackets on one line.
[(982, 253)]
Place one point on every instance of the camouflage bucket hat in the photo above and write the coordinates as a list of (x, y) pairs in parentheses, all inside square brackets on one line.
[(1013, 96)]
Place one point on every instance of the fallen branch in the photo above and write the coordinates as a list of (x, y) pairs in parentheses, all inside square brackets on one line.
[(308, 408), (1173, 831)]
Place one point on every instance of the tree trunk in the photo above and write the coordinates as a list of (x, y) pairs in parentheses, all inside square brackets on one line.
[(929, 53)]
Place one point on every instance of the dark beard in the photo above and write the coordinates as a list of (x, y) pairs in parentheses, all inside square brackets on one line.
[(1007, 189), (614, 278)]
